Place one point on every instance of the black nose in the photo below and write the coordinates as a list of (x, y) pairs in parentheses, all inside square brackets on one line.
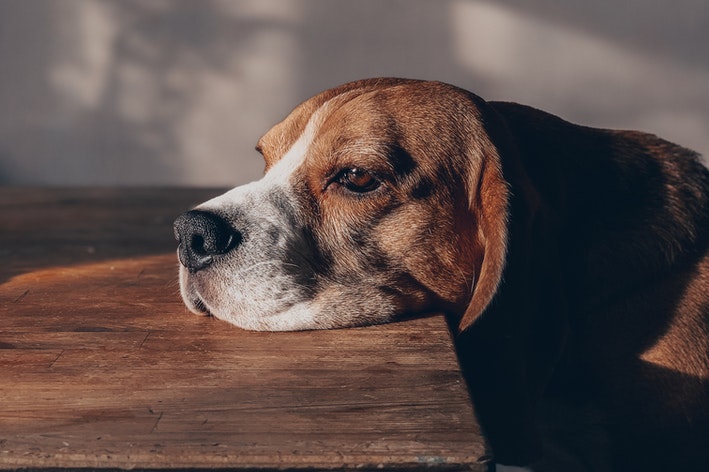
[(202, 236)]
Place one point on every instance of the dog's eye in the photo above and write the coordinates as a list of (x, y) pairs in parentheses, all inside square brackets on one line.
[(358, 180)]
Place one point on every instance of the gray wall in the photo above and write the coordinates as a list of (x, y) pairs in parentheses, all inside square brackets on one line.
[(177, 92)]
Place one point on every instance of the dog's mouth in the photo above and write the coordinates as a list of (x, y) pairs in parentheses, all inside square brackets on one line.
[(199, 306)]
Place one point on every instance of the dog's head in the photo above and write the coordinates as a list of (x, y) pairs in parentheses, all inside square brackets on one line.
[(380, 198)]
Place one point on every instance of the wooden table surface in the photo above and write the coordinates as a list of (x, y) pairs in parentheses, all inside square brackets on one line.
[(102, 367)]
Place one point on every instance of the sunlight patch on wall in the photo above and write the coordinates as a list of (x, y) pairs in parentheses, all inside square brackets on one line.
[(166, 91), (583, 77), (79, 72)]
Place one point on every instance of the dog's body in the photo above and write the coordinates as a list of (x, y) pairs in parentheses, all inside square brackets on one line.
[(573, 261)]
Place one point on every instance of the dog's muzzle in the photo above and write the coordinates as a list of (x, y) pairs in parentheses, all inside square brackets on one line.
[(203, 237)]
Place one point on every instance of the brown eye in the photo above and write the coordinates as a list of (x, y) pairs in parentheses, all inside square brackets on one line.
[(358, 180)]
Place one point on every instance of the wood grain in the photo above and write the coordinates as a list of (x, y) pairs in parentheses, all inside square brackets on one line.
[(102, 367)]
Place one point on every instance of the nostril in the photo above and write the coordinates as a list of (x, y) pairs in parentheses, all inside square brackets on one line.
[(197, 245), (203, 235), (213, 241)]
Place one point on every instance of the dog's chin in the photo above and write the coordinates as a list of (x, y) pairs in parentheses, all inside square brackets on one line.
[(301, 316), (281, 311), (297, 317)]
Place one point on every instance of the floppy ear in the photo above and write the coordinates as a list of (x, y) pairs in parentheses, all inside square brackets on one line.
[(488, 198)]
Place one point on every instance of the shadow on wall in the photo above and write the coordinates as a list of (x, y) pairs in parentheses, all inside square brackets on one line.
[(159, 92), (132, 92)]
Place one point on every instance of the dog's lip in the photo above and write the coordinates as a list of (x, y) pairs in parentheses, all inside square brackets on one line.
[(200, 306)]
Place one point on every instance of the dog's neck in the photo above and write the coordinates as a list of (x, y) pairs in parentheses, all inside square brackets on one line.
[(611, 209)]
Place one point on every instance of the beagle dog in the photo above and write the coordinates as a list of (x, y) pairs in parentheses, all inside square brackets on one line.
[(573, 262)]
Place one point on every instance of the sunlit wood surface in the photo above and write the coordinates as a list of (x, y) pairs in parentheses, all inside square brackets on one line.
[(101, 366)]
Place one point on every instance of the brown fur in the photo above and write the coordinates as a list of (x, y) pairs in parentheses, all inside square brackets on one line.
[(573, 262)]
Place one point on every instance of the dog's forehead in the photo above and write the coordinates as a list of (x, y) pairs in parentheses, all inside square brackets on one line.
[(279, 139), (306, 118), (366, 100)]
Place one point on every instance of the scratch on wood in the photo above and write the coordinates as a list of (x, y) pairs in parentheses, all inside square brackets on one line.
[(144, 339), (55, 360), (19, 299), (155, 426)]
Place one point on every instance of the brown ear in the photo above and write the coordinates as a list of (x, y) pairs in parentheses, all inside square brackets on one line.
[(489, 203)]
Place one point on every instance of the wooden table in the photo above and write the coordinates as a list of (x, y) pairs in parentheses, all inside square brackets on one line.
[(102, 367)]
